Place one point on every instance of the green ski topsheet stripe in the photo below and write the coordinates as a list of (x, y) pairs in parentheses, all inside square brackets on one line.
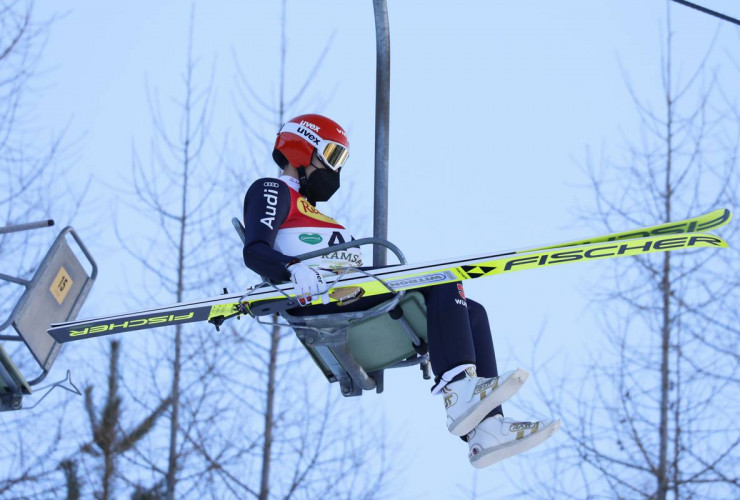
[(406, 277)]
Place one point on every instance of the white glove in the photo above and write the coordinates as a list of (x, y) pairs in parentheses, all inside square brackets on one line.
[(308, 282)]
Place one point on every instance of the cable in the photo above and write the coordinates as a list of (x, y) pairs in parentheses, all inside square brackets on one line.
[(707, 11)]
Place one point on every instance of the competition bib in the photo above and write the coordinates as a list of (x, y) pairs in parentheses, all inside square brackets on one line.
[(305, 229)]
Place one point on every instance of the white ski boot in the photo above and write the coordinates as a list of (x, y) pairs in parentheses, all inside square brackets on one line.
[(497, 438), (470, 399)]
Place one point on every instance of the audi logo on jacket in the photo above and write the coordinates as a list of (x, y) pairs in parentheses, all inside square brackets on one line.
[(280, 224)]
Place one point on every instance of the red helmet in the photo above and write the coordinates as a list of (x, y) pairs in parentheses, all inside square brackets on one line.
[(299, 137)]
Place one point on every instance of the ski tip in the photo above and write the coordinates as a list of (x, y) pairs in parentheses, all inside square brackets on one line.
[(59, 335), (713, 220), (693, 240)]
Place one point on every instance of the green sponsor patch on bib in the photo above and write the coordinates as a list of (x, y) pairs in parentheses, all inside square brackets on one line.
[(310, 238)]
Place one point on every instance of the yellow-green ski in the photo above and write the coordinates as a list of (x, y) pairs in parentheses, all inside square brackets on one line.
[(267, 299)]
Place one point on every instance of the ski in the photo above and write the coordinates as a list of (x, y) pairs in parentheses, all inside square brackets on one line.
[(267, 299), (698, 224)]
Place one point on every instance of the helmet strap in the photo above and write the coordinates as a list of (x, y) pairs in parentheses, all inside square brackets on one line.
[(303, 180)]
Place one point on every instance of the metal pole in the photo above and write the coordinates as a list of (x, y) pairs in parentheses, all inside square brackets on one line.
[(13, 279), (382, 105), (24, 227)]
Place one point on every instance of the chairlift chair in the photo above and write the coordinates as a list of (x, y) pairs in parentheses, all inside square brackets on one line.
[(354, 348), (55, 293)]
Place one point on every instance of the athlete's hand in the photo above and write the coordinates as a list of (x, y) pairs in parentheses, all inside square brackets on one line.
[(308, 282)]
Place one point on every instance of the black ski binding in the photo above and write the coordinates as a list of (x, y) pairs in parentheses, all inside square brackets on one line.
[(217, 321)]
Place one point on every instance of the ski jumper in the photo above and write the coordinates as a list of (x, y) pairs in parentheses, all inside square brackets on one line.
[(280, 223)]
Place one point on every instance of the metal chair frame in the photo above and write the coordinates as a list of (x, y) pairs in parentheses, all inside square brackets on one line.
[(327, 337)]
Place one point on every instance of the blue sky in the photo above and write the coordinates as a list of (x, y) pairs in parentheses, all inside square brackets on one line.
[(493, 105)]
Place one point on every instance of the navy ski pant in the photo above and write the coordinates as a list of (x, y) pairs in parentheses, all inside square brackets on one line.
[(458, 331)]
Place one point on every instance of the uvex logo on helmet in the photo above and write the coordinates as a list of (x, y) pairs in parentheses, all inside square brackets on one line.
[(307, 134), (299, 136), (310, 125)]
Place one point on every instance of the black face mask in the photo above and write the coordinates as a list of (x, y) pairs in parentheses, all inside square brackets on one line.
[(320, 186)]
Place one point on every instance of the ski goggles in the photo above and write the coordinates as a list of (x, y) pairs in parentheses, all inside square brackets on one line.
[(331, 153)]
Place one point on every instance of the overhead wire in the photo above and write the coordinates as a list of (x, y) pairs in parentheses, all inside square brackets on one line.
[(708, 11)]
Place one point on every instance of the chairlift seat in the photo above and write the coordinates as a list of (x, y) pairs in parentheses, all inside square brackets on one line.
[(354, 348), (56, 293)]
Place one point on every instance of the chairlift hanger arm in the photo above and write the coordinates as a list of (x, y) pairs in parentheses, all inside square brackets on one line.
[(26, 227), (14, 279)]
